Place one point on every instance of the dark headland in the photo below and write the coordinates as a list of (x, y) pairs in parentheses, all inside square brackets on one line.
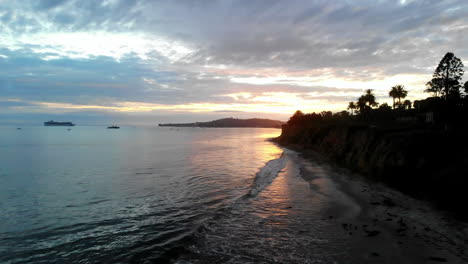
[(419, 148), (232, 122)]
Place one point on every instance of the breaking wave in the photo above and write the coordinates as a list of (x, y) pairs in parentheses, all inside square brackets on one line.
[(267, 174)]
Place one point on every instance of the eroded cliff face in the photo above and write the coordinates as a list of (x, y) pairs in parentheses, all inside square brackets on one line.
[(426, 163)]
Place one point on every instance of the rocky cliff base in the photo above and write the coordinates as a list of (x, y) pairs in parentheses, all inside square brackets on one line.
[(426, 163)]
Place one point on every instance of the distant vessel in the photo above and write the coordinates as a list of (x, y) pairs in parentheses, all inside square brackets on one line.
[(113, 127), (53, 123)]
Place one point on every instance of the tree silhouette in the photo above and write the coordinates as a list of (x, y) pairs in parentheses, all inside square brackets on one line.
[(352, 106), (446, 77), (366, 101), (435, 87), (402, 93), (407, 104), (393, 94), (296, 118), (398, 91), (385, 107), (361, 103), (465, 87), (326, 114), (369, 98)]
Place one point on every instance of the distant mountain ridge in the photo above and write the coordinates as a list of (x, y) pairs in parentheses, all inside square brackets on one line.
[(232, 122)]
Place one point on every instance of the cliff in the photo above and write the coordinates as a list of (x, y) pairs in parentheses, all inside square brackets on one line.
[(429, 164), (233, 122)]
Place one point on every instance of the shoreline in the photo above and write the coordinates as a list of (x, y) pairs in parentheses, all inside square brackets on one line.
[(392, 227), (426, 164)]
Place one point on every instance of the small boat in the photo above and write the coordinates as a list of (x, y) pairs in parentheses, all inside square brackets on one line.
[(113, 127)]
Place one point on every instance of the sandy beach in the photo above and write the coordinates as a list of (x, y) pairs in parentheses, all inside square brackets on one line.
[(386, 226)]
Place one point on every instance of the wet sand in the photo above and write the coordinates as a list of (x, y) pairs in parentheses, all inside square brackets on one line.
[(389, 227)]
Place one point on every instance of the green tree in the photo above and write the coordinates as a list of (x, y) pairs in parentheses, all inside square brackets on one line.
[(446, 78), (465, 87), (352, 106)]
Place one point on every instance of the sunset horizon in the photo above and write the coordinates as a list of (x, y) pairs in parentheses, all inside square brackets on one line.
[(146, 61), (233, 131)]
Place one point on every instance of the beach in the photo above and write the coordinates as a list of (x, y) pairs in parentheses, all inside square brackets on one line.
[(313, 212)]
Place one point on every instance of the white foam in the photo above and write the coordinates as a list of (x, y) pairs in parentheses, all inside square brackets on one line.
[(267, 174)]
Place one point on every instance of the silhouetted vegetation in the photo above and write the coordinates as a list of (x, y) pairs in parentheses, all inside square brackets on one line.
[(397, 92), (446, 78), (446, 108), (417, 147)]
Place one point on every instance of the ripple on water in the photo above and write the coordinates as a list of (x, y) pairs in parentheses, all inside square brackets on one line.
[(137, 195)]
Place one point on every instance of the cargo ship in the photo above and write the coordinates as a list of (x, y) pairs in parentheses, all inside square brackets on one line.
[(53, 123)]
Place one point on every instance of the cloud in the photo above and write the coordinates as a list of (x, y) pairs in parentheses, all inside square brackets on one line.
[(213, 54), (14, 104)]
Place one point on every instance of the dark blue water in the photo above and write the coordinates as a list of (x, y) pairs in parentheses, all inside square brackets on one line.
[(94, 195)]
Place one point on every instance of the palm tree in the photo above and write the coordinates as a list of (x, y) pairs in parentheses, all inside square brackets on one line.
[(352, 106), (402, 93), (361, 104), (394, 94), (369, 98), (366, 101), (398, 91)]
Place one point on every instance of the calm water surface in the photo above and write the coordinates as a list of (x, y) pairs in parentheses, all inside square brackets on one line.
[(94, 195)]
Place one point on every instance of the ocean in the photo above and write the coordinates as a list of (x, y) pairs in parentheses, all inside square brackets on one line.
[(136, 194), (200, 195)]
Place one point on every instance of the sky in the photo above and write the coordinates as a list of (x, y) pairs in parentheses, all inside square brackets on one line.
[(152, 61)]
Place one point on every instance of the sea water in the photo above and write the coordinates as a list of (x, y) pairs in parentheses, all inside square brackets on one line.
[(135, 194), (160, 194)]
